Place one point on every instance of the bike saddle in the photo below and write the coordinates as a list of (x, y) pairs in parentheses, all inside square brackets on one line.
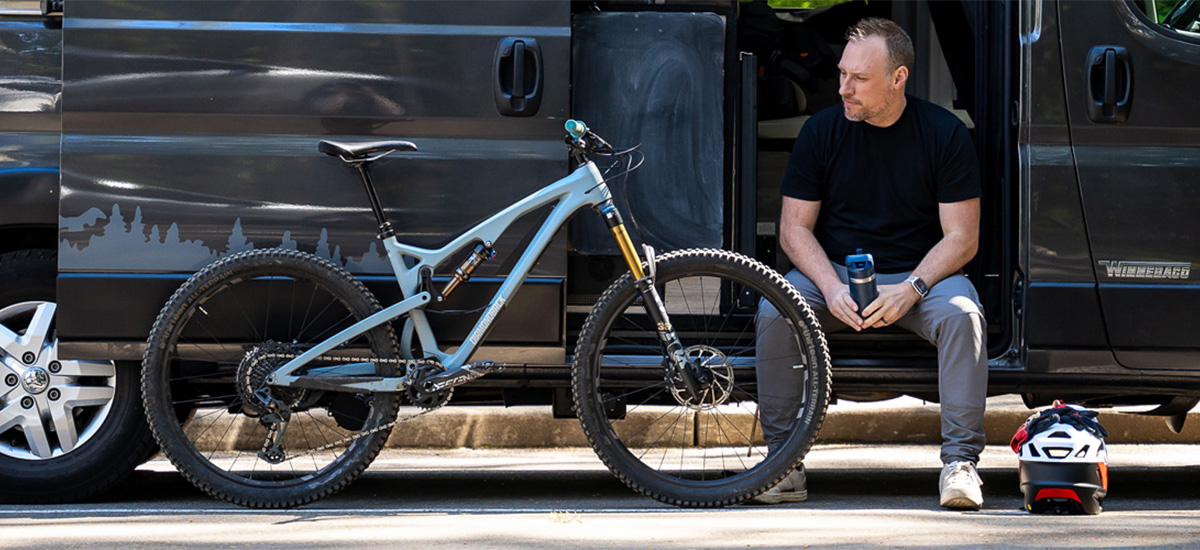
[(359, 151)]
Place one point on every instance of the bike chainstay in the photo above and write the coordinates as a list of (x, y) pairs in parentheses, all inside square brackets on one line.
[(274, 428)]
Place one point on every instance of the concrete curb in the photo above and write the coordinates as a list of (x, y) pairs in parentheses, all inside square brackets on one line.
[(899, 421)]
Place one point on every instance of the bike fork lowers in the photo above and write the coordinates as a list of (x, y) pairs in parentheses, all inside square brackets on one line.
[(673, 359)]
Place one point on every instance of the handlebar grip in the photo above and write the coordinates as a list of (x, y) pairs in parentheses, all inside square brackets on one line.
[(576, 128)]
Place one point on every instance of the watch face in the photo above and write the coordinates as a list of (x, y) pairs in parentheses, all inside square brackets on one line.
[(919, 285)]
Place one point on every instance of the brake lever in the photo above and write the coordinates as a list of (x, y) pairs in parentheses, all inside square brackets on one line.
[(598, 143)]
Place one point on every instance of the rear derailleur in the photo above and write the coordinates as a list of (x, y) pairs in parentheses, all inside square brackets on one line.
[(274, 416)]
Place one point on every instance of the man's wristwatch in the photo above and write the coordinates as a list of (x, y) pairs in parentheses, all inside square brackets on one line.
[(918, 285)]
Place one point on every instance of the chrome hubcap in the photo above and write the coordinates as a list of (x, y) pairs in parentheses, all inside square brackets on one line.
[(48, 406), (35, 380)]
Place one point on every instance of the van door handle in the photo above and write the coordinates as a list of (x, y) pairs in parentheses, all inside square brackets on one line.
[(1109, 75), (518, 77)]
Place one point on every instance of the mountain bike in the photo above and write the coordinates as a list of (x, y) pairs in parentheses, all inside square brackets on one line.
[(272, 377)]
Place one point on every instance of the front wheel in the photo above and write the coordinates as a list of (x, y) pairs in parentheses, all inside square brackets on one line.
[(700, 444)]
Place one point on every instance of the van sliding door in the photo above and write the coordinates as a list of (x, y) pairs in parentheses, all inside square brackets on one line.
[(1131, 73)]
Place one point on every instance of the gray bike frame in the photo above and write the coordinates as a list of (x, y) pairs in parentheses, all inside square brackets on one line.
[(583, 187)]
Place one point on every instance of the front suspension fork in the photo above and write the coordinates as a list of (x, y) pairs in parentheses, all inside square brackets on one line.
[(673, 357)]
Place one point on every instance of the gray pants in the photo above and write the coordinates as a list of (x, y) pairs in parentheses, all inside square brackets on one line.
[(949, 317)]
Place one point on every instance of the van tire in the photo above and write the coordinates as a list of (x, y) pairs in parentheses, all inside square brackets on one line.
[(117, 446)]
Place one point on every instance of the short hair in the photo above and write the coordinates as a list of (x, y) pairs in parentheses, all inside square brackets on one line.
[(899, 45)]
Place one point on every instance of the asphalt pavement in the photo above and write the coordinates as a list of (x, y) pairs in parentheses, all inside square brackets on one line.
[(861, 496)]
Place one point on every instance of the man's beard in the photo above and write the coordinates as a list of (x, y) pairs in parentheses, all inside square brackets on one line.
[(859, 115), (862, 113)]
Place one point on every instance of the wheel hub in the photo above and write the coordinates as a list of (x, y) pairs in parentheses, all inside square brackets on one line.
[(715, 374), (35, 380), (252, 375)]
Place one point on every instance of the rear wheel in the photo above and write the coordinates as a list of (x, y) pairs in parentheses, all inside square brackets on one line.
[(697, 443), (209, 355), (68, 429)]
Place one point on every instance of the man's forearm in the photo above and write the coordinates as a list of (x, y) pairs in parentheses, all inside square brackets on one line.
[(946, 257), (806, 254)]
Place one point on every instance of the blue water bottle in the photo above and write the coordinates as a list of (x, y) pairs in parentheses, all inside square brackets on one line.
[(860, 269)]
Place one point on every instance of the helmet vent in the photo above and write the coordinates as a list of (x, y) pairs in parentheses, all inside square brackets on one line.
[(1060, 435), (1057, 452), (1033, 451), (1083, 452)]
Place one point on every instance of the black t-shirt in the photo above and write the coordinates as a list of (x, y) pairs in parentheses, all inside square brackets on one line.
[(880, 187)]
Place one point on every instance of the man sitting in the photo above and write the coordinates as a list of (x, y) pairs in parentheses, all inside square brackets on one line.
[(897, 177)]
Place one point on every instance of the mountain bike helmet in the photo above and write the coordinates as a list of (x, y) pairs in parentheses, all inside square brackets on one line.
[(1064, 463)]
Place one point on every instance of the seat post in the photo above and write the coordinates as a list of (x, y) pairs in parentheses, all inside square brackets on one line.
[(385, 227)]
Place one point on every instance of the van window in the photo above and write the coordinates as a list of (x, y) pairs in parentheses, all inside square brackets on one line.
[(1182, 16)]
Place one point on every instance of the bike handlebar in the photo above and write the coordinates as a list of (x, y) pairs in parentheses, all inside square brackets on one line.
[(581, 140)]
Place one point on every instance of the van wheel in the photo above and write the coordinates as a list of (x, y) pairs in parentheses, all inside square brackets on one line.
[(68, 429)]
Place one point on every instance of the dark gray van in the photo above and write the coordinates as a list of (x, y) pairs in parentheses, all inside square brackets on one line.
[(139, 141)]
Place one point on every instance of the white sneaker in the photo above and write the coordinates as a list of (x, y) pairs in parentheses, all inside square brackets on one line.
[(959, 486), (793, 488)]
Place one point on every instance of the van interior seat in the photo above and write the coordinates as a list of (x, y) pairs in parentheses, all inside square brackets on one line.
[(781, 128)]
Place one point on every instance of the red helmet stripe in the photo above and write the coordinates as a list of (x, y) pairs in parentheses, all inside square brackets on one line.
[(1057, 493)]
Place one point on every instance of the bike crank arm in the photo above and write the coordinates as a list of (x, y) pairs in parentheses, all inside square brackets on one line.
[(457, 377)]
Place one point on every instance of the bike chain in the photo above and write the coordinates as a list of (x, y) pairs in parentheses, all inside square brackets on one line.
[(274, 428), (346, 440)]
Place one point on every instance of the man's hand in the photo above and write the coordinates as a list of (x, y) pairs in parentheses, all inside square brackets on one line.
[(842, 306), (893, 302)]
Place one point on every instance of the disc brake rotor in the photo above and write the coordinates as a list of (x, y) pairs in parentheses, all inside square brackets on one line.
[(715, 375)]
